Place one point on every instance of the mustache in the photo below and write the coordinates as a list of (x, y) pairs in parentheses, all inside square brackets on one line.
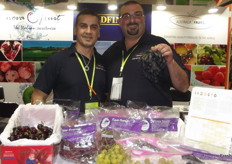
[(132, 24)]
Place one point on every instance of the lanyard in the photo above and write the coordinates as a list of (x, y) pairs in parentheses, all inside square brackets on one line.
[(125, 60), (90, 86)]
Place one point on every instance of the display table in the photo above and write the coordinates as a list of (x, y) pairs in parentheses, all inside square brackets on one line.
[(58, 159)]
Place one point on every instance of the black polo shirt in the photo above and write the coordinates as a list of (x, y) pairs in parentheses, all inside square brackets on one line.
[(136, 87), (63, 74)]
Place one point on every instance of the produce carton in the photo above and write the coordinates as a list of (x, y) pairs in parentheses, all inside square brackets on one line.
[(28, 154), (21, 151)]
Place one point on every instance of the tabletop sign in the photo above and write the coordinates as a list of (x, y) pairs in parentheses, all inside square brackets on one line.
[(210, 116)]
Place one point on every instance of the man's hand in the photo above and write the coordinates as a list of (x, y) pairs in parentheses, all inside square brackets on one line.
[(178, 76), (38, 97), (165, 50)]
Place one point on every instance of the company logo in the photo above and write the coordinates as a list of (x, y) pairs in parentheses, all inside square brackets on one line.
[(39, 18), (109, 19), (190, 22), (8, 155)]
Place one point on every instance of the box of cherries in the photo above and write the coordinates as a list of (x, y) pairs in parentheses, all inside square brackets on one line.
[(32, 134)]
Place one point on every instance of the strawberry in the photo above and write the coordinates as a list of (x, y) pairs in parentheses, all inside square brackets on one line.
[(207, 75), (222, 69), (219, 76), (199, 77), (213, 69), (198, 72)]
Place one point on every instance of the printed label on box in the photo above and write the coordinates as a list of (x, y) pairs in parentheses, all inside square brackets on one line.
[(27, 154)]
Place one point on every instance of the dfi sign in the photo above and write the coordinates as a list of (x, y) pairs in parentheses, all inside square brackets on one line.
[(109, 19)]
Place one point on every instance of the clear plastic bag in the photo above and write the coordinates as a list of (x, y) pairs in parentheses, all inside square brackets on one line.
[(81, 139), (144, 149)]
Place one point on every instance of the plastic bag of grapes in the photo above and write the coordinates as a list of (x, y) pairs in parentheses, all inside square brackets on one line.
[(80, 141), (152, 63)]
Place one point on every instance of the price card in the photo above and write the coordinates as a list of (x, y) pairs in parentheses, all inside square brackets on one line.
[(210, 116)]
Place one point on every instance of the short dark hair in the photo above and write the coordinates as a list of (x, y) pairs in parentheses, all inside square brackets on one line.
[(128, 3), (87, 11)]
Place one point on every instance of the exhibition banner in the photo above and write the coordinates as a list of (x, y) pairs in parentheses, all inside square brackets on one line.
[(199, 38), (36, 24), (189, 24)]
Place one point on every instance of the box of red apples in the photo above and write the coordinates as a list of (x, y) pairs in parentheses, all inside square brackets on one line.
[(32, 135)]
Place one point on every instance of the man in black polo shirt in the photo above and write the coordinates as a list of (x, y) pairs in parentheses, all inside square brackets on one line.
[(126, 80), (75, 73)]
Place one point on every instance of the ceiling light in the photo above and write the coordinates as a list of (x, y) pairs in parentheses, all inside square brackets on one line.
[(38, 4), (212, 8), (161, 5), (2, 6), (72, 5), (112, 5)]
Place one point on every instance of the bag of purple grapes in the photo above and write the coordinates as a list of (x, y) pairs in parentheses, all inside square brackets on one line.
[(152, 63), (80, 139)]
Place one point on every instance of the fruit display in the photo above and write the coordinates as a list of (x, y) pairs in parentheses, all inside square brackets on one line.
[(20, 72), (41, 132), (187, 52), (202, 54), (211, 75), (211, 55), (10, 49)]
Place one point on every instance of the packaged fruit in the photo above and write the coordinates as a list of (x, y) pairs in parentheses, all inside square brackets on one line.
[(33, 125)]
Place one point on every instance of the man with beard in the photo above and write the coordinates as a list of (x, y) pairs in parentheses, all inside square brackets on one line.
[(75, 73), (126, 79)]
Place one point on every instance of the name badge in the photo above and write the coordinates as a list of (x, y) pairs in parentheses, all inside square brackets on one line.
[(116, 88)]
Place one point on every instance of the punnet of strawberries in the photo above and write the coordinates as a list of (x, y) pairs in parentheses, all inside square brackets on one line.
[(213, 75)]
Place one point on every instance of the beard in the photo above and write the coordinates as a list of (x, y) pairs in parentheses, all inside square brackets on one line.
[(133, 28)]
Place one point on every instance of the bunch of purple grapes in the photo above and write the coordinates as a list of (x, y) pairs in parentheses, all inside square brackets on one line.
[(42, 132), (152, 63), (206, 60)]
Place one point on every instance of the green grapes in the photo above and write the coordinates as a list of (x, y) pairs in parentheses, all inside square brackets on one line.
[(114, 155)]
